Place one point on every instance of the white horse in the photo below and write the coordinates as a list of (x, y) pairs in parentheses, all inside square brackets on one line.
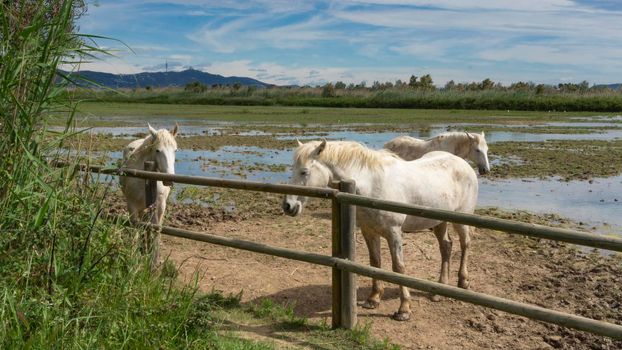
[(438, 180), (158, 146), (463, 144)]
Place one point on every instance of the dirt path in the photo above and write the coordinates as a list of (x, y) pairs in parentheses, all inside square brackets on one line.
[(542, 273)]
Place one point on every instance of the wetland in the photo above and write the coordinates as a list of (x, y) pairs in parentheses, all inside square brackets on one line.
[(545, 162)]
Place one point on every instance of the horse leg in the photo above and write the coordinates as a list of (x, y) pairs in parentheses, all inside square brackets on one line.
[(465, 242), (397, 259), (134, 211), (444, 245), (377, 287), (157, 219), (160, 209)]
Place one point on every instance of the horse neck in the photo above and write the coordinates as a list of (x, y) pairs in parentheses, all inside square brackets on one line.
[(460, 146), (348, 171), (141, 155)]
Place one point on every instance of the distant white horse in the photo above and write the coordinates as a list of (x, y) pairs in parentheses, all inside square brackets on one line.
[(463, 144), (159, 146), (438, 180)]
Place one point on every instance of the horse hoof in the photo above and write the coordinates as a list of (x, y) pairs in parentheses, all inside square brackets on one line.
[(435, 298), (370, 304), (464, 284), (401, 316)]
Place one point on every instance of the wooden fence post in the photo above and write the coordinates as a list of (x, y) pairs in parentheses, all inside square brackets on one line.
[(152, 236), (336, 252), (343, 246), (348, 251)]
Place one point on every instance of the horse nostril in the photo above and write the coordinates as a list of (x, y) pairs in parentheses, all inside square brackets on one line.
[(286, 206)]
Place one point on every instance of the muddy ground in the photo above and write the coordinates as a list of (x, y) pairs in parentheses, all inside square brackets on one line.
[(539, 272)]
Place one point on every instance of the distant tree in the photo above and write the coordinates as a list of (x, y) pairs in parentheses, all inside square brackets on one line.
[(426, 83), (351, 86), (540, 89), (340, 85), (400, 84), (195, 86), (487, 84), (148, 87), (584, 86), (413, 82), (520, 86), (328, 90), (450, 85), (237, 86)]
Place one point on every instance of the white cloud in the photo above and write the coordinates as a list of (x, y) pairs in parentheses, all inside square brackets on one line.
[(557, 55), (251, 32), (522, 5)]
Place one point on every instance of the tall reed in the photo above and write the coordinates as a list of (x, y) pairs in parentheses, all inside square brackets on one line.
[(68, 279)]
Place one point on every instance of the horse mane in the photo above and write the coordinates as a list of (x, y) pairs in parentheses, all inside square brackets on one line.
[(459, 135), (162, 137), (345, 153)]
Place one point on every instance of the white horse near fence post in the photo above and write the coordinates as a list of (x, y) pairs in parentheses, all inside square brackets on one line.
[(438, 179), (463, 144), (158, 146)]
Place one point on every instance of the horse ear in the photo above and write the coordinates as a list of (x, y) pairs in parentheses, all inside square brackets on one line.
[(175, 130), (471, 137), (298, 142), (482, 133), (320, 148), (152, 131)]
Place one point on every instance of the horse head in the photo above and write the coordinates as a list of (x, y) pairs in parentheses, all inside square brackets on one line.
[(163, 149), (306, 171), (479, 152)]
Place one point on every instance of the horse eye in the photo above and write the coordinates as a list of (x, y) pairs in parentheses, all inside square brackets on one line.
[(304, 172), (158, 150)]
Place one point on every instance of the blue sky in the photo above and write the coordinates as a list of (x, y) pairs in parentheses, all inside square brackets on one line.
[(312, 42)]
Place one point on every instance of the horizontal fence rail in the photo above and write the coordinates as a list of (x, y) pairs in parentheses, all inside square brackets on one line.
[(341, 263), (533, 230), (501, 304), (514, 227), (317, 192)]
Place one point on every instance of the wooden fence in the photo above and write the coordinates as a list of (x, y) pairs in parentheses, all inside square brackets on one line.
[(343, 243)]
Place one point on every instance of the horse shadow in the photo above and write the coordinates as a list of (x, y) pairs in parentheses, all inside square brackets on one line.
[(315, 300)]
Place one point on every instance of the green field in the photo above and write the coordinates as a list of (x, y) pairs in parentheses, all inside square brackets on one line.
[(113, 113), (550, 99)]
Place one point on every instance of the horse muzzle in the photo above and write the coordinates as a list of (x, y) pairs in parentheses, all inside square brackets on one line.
[(483, 171), (292, 209), (167, 183)]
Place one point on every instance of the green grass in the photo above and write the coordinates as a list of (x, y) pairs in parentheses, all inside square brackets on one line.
[(277, 325), (68, 278), (114, 113), (602, 101)]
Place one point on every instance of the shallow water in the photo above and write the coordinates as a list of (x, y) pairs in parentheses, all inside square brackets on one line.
[(596, 204)]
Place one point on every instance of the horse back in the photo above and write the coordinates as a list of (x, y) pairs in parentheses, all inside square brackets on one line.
[(441, 179), (407, 147)]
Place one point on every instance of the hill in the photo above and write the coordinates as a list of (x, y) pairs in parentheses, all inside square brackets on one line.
[(161, 79), (611, 86)]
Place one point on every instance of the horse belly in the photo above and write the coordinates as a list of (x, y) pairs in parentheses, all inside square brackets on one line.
[(415, 223)]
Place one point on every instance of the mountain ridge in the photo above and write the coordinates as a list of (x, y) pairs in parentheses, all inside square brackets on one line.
[(159, 79)]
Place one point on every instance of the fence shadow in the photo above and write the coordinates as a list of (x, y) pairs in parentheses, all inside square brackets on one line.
[(315, 300)]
